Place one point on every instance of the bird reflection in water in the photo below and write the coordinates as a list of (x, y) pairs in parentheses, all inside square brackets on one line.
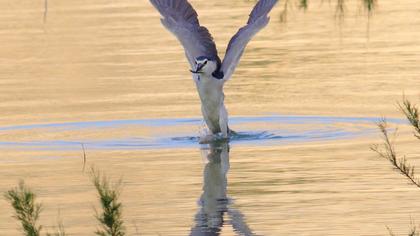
[(215, 211)]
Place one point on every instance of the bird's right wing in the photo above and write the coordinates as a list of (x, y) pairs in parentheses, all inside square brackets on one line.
[(258, 19), (180, 18)]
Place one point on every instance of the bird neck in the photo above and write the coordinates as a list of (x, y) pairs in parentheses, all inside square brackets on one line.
[(218, 74)]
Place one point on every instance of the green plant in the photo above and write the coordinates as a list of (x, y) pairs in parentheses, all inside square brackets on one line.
[(59, 230), (27, 210), (412, 113), (413, 230), (387, 151), (111, 216)]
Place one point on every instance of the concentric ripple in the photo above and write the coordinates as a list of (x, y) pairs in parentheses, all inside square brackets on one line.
[(182, 133)]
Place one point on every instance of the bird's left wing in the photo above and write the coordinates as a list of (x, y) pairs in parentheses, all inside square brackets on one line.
[(181, 19), (258, 19)]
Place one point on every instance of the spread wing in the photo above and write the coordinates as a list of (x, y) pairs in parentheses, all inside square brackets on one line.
[(258, 19), (180, 18)]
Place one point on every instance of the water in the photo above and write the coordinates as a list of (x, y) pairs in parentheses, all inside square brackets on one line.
[(267, 131), (304, 101)]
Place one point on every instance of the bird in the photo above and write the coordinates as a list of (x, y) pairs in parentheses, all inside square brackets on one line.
[(208, 71)]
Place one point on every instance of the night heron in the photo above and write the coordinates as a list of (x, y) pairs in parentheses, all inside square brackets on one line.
[(209, 72)]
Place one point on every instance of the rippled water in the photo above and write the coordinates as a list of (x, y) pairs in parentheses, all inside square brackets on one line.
[(267, 131), (107, 75)]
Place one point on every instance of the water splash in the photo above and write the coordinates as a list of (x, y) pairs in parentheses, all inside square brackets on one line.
[(182, 133)]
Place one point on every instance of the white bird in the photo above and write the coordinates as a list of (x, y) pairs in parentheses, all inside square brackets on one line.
[(209, 73)]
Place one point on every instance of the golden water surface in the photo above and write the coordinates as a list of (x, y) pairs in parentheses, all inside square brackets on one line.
[(112, 60)]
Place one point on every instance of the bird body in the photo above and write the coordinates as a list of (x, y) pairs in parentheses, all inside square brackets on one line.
[(209, 72), (212, 97)]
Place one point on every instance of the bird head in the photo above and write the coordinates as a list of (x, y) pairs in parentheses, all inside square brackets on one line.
[(204, 65)]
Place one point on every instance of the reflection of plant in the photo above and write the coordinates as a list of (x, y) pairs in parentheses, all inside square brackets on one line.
[(413, 230), (368, 5), (387, 150), (27, 210), (59, 230)]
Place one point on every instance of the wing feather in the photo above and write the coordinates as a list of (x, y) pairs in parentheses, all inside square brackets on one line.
[(258, 19), (180, 18)]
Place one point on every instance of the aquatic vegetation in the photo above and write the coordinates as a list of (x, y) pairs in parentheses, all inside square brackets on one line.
[(412, 113), (111, 216), (387, 150), (27, 210), (340, 7), (59, 230), (370, 5), (413, 230)]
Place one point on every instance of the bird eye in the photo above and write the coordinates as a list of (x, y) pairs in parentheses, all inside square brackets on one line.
[(205, 62)]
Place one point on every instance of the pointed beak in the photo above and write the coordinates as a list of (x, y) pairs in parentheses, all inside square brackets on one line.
[(197, 69)]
